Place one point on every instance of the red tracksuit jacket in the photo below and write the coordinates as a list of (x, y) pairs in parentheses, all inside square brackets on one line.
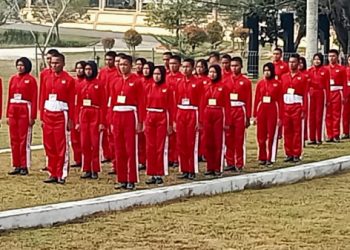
[(281, 68), (320, 79)]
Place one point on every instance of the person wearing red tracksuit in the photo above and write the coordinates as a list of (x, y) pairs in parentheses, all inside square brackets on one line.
[(226, 68), (107, 76), (215, 108), (319, 94), (202, 76), (240, 90), (214, 58), (74, 134), (294, 89), (0, 101), (56, 105), (147, 70), (166, 60), (21, 115), (281, 67), (338, 80), (91, 120), (158, 124), (346, 112), (127, 104), (188, 94), (303, 70), (267, 113), (139, 63), (173, 78)]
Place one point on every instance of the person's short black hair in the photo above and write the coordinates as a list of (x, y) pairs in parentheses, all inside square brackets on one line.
[(127, 57), (176, 57), (226, 56), (52, 51), (189, 60), (320, 56), (167, 53), (82, 63), (27, 64), (218, 72), (271, 68), (237, 59), (61, 56), (295, 55), (120, 54), (205, 65), (214, 54), (334, 51), (279, 50), (111, 54), (143, 60)]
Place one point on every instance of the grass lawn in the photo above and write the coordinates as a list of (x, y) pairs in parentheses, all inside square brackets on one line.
[(308, 215)]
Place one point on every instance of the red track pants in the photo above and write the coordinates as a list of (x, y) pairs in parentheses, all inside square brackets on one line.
[(56, 137), (187, 140), (173, 154), (213, 124), (142, 148), (76, 145), (293, 130), (346, 117), (267, 131), (316, 116), (235, 137), (156, 124), (334, 114), (20, 134), (125, 141), (90, 139)]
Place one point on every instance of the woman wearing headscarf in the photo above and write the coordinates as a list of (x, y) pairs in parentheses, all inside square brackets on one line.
[(75, 135), (158, 125), (21, 114), (319, 93), (215, 108), (91, 120), (267, 114)]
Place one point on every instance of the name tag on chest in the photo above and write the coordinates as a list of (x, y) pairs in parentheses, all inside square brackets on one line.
[(121, 99), (332, 82), (185, 101), (17, 96), (233, 96), (87, 102), (212, 102), (52, 97), (267, 99), (290, 91), (349, 83)]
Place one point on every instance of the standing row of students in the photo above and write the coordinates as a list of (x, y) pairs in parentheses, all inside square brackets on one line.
[(172, 115)]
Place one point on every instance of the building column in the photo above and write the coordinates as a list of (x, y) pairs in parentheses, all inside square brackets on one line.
[(102, 4), (29, 3)]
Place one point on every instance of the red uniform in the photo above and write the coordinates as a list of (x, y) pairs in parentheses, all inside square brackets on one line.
[(281, 68), (107, 76), (319, 95), (294, 89), (215, 108), (188, 93), (240, 89), (0, 98), (91, 106), (127, 104), (159, 115), (56, 105), (338, 80), (21, 108), (346, 112), (141, 136), (74, 134), (306, 104), (226, 74), (268, 109), (172, 80)]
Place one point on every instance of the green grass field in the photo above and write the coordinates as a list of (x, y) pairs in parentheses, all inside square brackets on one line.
[(308, 215)]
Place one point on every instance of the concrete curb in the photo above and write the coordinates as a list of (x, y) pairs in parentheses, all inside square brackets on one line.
[(57, 213)]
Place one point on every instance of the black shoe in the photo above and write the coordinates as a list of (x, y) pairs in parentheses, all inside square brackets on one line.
[(170, 164), (201, 158), (61, 181), (23, 171), (191, 176), (15, 171), (142, 167), (311, 143), (51, 180), (269, 163), (76, 165), (262, 163), (212, 173), (159, 181), (120, 185), (183, 176), (345, 136), (94, 176), (296, 159), (151, 180), (176, 164), (230, 168), (112, 172), (86, 175), (336, 140), (130, 186), (218, 174), (45, 169), (329, 140), (289, 159), (106, 161)]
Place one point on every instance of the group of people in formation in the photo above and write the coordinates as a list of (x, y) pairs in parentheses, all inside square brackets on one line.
[(151, 117)]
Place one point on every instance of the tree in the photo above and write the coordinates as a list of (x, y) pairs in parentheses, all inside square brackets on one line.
[(107, 43), (132, 39), (215, 33), (194, 36), (241, 33)]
